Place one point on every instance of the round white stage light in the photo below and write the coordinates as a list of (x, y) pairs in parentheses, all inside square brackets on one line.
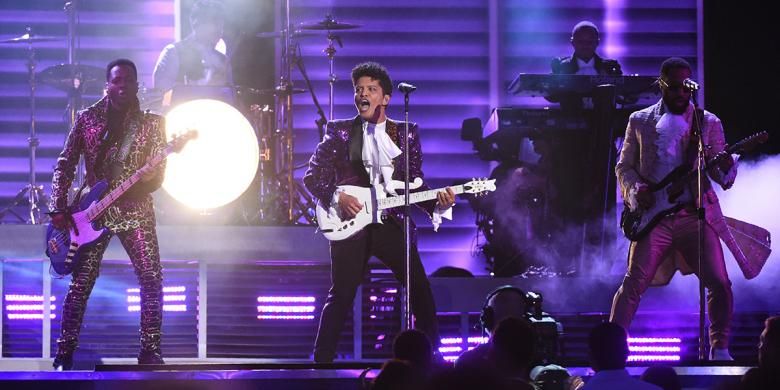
[(219, 165)]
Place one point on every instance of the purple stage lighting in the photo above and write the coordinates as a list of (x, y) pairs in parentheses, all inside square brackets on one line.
[(285, 307), (30, 308), (654, 349), (135, 299), (452, 347)]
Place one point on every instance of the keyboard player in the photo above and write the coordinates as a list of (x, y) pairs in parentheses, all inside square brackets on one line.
[(584, 61)]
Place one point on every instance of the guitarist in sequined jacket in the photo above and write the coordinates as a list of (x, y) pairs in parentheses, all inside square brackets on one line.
[(348, 155), (116, 139)]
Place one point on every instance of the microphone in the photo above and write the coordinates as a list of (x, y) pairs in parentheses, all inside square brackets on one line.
[(691, 85), (406, 88)]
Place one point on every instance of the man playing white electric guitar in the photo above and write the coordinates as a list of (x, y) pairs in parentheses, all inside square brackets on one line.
[(367, 151)]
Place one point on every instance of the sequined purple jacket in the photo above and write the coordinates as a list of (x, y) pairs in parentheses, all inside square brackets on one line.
[(338, 160), (134, 207)]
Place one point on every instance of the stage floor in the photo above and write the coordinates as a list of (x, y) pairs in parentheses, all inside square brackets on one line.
[(275, 374)]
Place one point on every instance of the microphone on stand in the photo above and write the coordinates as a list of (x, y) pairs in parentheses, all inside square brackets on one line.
[(406, 88), (690, 85)]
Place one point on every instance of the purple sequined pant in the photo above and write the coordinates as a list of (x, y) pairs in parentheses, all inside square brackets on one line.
[(142, 248)]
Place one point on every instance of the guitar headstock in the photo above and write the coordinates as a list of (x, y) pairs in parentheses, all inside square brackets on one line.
[(178, 141), (749, 143), (479, 186)]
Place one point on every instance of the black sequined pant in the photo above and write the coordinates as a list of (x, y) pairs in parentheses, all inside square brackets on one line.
[(142, 248)]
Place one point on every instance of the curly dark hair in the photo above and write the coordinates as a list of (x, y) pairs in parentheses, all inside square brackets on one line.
[(673, 63), (120, 61), (377, 72)]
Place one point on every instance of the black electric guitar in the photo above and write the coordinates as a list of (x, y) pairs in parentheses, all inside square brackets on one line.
[(635, 224)]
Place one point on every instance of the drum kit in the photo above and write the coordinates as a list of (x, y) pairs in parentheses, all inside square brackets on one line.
[(273, 124), (278, 186)]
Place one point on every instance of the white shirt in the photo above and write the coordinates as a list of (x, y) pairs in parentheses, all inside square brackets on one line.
[(674, 135), (378, 154), (587, 68)]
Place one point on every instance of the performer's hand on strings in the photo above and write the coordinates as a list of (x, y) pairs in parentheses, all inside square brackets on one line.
[(445, 199), (349, 205), (60, 220), (148, 174), (726, 161), (63, 221)]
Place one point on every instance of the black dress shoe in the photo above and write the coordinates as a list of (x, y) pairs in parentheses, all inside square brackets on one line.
[(150, 357), (63, 363)]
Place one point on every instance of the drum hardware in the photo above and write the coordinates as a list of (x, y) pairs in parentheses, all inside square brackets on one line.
[(75, 79), (34, 191), (330, 25)]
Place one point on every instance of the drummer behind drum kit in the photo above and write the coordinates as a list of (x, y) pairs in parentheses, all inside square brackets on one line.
[(276, 187)]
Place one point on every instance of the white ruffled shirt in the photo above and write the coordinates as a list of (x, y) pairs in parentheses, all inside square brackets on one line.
[(587, 68), (378, 153), (674, 135)]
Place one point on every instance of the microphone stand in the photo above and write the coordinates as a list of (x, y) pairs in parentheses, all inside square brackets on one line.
[(700, 165), (406, 308)]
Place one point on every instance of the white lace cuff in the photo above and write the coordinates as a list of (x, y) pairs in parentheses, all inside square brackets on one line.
[(633, 204), (334, 203), (438, 214), (727, 179)]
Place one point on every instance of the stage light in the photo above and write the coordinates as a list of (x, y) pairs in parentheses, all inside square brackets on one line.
[(285, 308), (220, 164), (654, 349), (30, 308), (452, 347), (136, 299)]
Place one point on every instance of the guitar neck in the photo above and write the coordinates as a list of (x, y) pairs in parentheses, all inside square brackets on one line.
[(117, 192), (415, 197), (715, 160)]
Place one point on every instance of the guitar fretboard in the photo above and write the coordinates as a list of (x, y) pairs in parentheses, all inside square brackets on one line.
[(416, 197), (112, 196)]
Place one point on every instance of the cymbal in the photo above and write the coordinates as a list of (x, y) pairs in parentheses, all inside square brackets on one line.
[(267, 91), (28, 38), (279, 34), (63, 77), (328, 24)]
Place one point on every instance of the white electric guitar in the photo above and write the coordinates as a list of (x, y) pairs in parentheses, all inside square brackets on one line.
[(374, 201)]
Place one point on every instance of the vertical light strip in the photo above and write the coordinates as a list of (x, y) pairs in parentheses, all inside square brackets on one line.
[(612, 28), (202, 309), (46, 323), (357, 324), (177, 20), (2, 267), (496, 90), (700, 51)]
